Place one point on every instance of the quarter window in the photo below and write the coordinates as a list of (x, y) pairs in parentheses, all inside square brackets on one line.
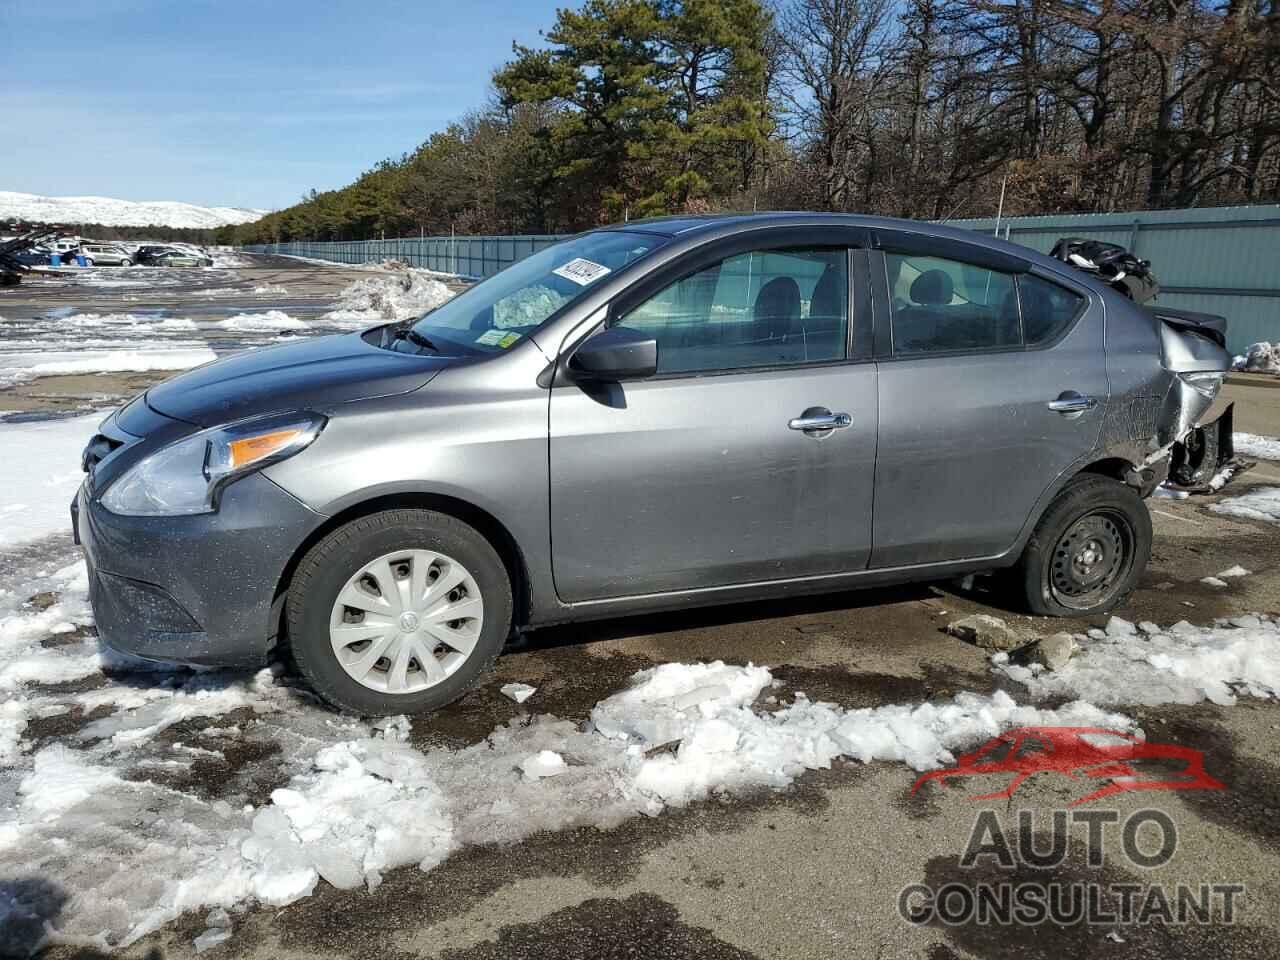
[(1047, 309), (764, 308), (941, 305)]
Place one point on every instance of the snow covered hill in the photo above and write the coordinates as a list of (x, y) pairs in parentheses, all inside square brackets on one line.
[(120, 213)]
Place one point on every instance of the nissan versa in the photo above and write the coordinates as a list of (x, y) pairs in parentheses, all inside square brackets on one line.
[(661, 414)]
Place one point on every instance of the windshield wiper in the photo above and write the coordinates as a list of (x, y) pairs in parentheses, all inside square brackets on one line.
[(414, 337)]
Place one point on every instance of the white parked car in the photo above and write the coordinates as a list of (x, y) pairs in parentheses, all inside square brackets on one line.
[(105, 255)]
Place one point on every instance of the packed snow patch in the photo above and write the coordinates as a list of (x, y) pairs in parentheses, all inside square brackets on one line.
[(357, 800), (1263, 357), (272, 321), (1252, 445), (39, 478), (388, 296), (1261, 503), (1180, 664)]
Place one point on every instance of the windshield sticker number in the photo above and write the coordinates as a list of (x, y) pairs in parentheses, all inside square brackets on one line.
[(581, 272)]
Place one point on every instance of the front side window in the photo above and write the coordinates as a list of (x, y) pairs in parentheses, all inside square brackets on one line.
[(757, 309), (940, 305)]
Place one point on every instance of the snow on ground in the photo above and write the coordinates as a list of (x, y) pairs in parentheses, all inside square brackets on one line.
[(16, 367), (1252, 445), (1260, 503), (1179, 664), (121, 213), (39, 474), (272, 321), (388, 296)]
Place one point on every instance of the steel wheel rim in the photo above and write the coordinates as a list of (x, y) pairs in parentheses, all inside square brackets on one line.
[(406, 622), (1091, 559)]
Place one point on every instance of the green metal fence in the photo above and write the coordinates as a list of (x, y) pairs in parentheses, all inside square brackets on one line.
[(465, 256), (1223, 260)]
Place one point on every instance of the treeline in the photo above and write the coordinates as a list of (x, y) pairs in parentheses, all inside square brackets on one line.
[(917, 108), (100, 231)]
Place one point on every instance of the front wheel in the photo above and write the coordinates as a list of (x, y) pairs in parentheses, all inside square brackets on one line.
[(398, 612), (1088, 550)]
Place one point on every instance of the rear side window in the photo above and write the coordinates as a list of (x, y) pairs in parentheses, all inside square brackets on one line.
[(940, 305), (1047, 309)]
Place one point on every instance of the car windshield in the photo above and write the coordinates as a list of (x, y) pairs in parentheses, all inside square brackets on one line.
[(495, 315)]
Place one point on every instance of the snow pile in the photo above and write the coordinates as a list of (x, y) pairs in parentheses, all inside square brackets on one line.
[(1180, 664), (388, 296), (1260, 503), (1263, 357), (121, 213), (228, 258), (40, 476), (368, 806), (356, 800), (273, 321), (527, 307), (126, 323), (1252, 445), (726, 746), (123, 360)]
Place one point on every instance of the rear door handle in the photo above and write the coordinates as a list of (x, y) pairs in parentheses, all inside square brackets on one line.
[(1071, 402), (812, 420)]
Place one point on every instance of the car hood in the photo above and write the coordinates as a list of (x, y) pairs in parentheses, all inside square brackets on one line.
[(313, 373)]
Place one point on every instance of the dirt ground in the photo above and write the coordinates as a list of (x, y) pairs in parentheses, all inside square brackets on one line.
[(815, 871)]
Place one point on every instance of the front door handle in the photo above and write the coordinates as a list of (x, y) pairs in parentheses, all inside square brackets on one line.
[(1071, 402), (820, 418)]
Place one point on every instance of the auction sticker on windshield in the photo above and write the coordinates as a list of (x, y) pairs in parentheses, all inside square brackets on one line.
[(581, 271)]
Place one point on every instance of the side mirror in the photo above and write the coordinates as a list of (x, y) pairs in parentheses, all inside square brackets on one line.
[(615, 354)]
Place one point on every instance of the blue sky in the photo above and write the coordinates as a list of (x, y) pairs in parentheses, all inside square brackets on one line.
[(236, 103)]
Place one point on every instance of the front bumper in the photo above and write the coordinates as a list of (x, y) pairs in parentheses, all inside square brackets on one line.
[(198, 589)]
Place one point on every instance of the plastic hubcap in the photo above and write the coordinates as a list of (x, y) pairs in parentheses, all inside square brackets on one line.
[(406, 621)]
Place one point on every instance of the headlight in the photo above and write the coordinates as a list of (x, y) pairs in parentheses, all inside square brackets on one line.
[(1206, 384), (187, 477)]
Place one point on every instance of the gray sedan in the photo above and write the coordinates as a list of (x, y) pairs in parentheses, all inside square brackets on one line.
[(657, 415)]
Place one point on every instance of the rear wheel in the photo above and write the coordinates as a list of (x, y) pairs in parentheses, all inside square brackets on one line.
[(1088, 550), (398, 612)]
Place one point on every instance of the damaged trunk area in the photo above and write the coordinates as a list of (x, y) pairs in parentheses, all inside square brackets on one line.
[(1195, 425)]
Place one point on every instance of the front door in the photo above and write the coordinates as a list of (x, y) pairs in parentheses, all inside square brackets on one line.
[(994, 383), (736, 463)]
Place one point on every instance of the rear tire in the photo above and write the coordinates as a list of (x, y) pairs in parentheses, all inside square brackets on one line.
[(1088, 550), (394, 651)]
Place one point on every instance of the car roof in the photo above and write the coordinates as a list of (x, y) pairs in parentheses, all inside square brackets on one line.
[(727, 224)]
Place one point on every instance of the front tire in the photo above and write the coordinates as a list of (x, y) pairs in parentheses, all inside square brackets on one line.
[(398, 612), (1088, 550)]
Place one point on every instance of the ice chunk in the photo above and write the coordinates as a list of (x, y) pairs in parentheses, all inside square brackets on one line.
[(1213, 582), (1119, 627), (545, 763), (211, 938), (1236, 571), (519, 692)]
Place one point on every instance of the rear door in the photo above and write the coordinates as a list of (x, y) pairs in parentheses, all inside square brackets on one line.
[(705, 475), (992, 383)]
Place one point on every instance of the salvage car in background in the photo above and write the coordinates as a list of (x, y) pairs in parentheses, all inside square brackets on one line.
[(105, 255), (663, 414), (152, 256)]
